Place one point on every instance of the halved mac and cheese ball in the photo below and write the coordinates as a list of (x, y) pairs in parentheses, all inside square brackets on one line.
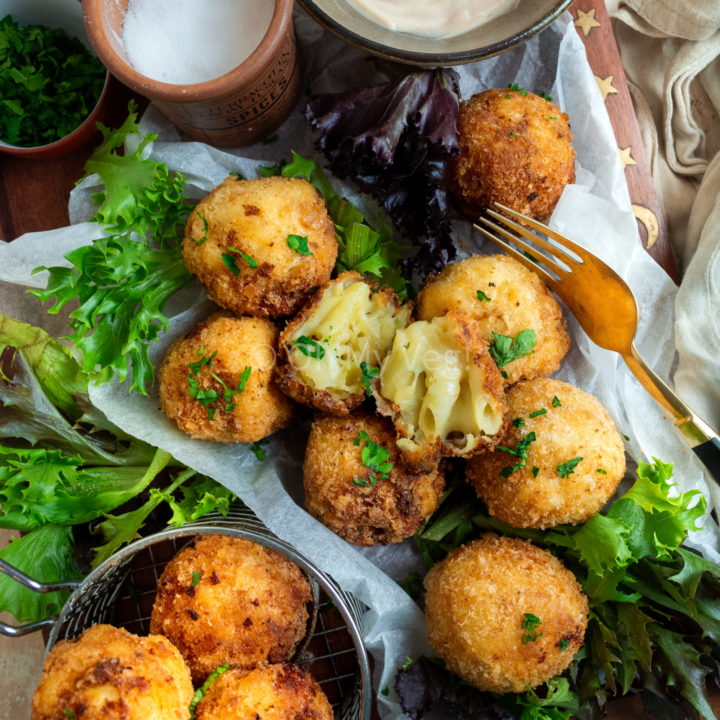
[(506, 299), (357, 484), (217, 383), (504, 614), (260, 246), (338, 341), (442, 390), (568, 459)]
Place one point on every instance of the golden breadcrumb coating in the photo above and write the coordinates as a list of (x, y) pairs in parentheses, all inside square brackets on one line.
[(339, 489), (108, 673), (353, 321), (230, 345), (518, 300), (441, 389), (255, 218), (270, 692), (503, 614), (230, 600), (547, 491), (515, 149)]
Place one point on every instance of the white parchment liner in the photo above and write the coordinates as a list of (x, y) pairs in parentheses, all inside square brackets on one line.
[(595, 212)]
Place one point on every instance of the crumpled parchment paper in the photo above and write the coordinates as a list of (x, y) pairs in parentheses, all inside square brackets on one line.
[(595, 212)]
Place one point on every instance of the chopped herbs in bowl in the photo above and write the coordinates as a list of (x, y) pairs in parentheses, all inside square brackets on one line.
[(49, 84)]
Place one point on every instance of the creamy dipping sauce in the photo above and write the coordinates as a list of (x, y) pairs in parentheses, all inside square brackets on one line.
[(432, 18), (191, 41)]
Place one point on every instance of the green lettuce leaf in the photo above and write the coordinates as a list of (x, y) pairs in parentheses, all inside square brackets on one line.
[(45, 555)]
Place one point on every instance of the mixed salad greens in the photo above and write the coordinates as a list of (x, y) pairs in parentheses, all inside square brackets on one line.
[(654, 624), (63, 464)]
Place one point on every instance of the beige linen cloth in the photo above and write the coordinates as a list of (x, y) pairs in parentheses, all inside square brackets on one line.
[(671, 54)]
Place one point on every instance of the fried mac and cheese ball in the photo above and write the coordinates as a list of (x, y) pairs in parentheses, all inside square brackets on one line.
[(238, 243), (108, 673), (442, 390), (504, 614), (572, 458), (217, 383), (271, 692), (515, 149), (348, 322), (230, 600), (357, 484), (505, 298)]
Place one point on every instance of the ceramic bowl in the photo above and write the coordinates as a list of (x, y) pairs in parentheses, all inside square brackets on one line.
[(65, 14), (498, 35)]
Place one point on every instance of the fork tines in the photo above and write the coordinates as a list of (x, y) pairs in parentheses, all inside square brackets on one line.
[(507, 225)]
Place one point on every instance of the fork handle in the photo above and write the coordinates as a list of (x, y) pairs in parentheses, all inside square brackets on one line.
[(704, 441)]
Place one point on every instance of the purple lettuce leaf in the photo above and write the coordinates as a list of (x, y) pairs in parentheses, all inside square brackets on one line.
[(395, 141)]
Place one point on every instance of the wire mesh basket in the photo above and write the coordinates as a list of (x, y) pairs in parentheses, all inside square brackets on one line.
[(121, 592)]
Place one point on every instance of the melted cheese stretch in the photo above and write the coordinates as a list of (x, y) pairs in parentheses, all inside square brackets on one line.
[(437, 388), (353, 325)]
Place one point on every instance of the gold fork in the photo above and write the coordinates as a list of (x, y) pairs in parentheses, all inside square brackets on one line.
[(605, 308)]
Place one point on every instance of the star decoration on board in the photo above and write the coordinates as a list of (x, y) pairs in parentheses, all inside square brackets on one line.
[(606, 86), (586, 21), (626, 156)]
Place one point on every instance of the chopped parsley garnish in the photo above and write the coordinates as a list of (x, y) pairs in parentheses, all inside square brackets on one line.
[(568, 468), (408, 662), (512, 134), (530, 625), (195, 578), (520, 451), (368, 373), (309, 347), (205, 229), (70, 714), (49, 83), (626, 438), (555, 401), (504, 374), (537, 413), (517, 88), (563, 644), (201, 691), (504, 349), (299, 243), (535, 470), (362, 482), (194, 368), (482, 297), (257, 448), (531, 257), (374, 457), (385, 692), (230, 393), (207, 396), (552, 117), (601, 471), (518, 422), (545, 96), (231, 261)]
